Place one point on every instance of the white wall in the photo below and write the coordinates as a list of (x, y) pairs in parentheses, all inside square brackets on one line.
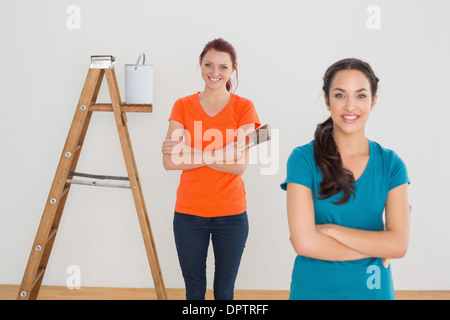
[(283, 47)]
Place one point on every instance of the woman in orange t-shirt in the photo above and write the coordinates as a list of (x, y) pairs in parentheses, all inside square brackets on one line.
[(206, 138)]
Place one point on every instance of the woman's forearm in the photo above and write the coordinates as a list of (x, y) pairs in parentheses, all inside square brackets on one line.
[(236, 167), (324, 247), (177, 163), (383, 244), (191, 158)]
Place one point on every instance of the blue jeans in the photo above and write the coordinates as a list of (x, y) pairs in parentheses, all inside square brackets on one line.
[(192, 237)]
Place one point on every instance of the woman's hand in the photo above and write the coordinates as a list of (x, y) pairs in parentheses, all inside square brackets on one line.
[(173, 146)]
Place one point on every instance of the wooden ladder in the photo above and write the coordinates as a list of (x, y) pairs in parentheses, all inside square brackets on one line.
[(48, 227)]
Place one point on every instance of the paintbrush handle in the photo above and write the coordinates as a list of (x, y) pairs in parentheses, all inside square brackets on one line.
[(260, 135)]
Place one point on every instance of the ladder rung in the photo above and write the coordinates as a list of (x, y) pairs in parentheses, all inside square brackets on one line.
[(102, 183), (123, 107), (97, 176), (95, 183)]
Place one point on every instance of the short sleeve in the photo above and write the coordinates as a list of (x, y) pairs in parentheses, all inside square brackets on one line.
[(177, 113), (248, 114), (398, 172), (300, 168)]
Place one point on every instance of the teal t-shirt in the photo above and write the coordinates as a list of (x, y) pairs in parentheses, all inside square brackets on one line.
[(357, 279)]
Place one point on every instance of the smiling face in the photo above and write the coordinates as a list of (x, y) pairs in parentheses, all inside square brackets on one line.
[(350, 101), (217, 67)]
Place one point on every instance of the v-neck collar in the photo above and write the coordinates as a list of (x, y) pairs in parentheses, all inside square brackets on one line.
[(368, 165), (220, 112)]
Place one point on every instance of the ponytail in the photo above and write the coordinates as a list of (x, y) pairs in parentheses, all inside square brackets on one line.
[(334, 176)]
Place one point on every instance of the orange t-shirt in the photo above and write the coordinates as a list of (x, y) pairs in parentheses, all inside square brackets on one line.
[(204, 191)]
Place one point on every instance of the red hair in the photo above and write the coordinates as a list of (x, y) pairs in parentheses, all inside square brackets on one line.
[(222, 46)]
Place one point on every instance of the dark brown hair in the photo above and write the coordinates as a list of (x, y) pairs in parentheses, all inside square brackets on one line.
[(222, 46), (326, 153)]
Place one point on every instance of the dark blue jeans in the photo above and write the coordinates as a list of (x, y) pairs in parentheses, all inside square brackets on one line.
[(192, 236)]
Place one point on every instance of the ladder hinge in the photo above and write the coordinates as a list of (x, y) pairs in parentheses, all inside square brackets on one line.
[(102, 62)]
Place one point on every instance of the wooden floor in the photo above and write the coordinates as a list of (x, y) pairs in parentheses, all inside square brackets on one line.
[(9, 292)]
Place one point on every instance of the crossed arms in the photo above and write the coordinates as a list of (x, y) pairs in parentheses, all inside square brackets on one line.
[(178, 155), (338, 243)]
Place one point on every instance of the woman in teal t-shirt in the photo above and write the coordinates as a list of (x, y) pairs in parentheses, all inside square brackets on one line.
[(338, 186)]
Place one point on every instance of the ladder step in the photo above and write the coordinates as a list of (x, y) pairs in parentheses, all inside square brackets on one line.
[(123, 107), (97, 176), (95, 183), (124, 181)]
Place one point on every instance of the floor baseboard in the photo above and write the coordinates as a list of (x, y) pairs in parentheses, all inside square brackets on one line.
[(9, 292)]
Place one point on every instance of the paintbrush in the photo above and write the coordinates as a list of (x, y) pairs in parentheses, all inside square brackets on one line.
[(260, 135)]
